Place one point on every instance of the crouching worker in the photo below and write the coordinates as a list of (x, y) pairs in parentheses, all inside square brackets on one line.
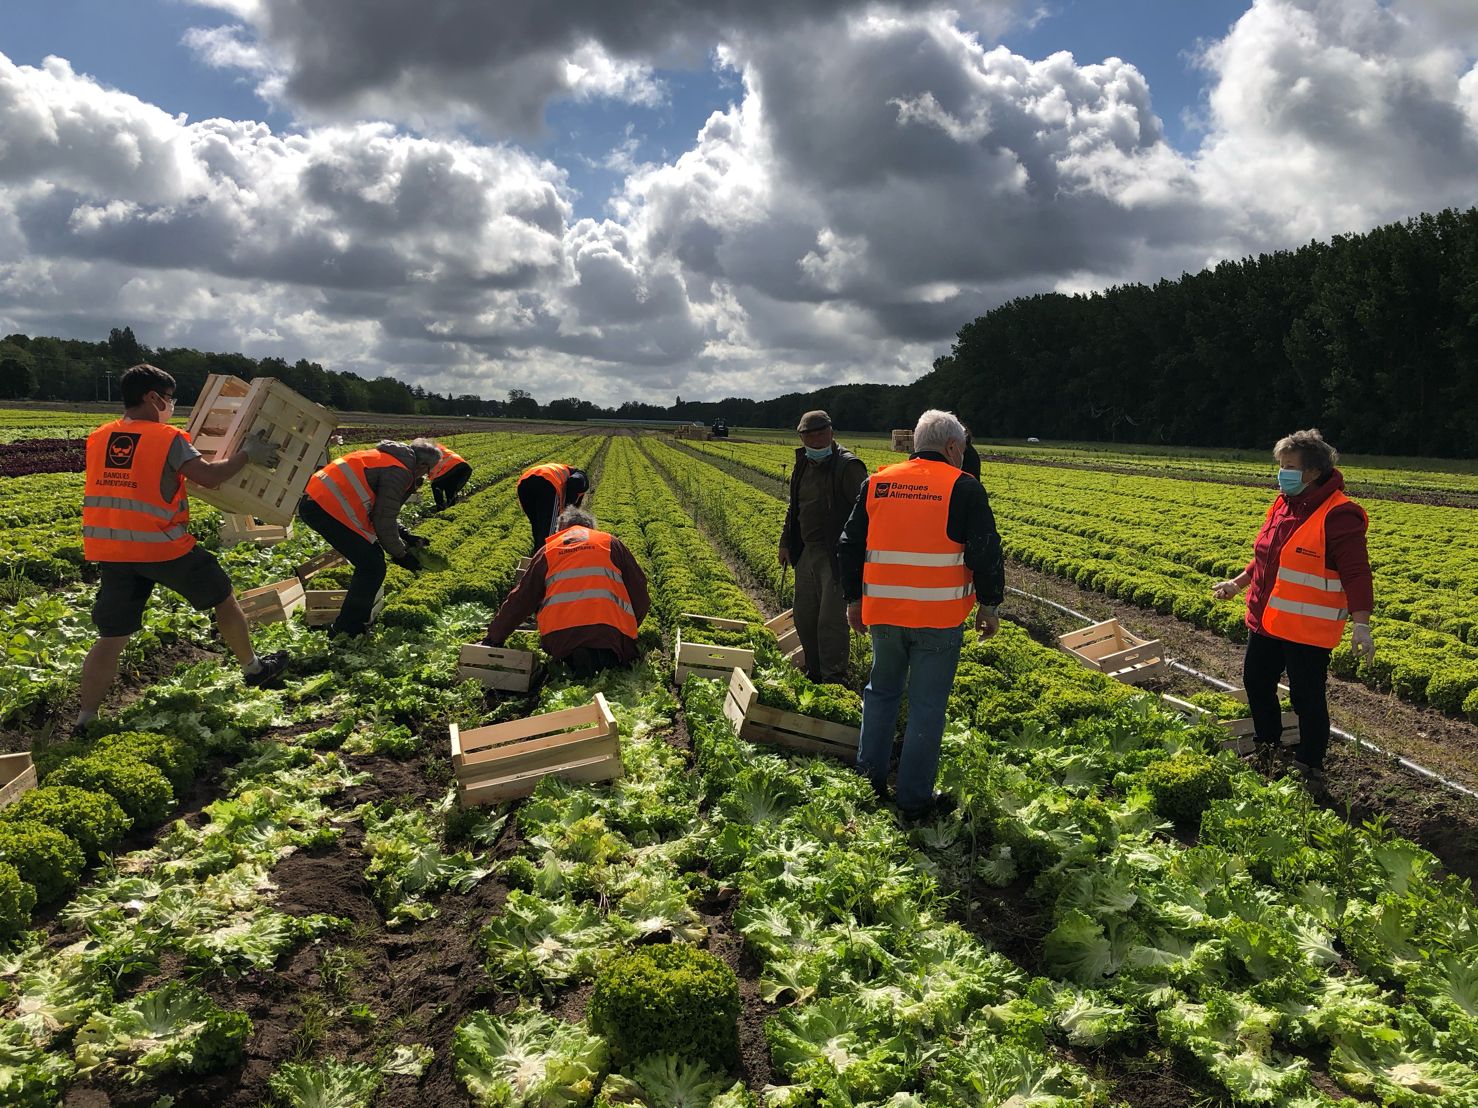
[(355, 503), (590, 595), (546, 490), (135, 525), (449, 478)]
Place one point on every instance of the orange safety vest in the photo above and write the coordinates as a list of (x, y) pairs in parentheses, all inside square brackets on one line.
[(1308, 603), (341, 489), (449, 458), (915, 574), (124, 517), (556, 473), (583, 587)]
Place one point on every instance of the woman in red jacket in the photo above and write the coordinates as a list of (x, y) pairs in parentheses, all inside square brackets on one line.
[(1309, 575)]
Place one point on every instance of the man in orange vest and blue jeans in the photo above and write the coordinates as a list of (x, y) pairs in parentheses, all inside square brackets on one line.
[(590, 594), (918, 550), (354, 502), (135, 525)]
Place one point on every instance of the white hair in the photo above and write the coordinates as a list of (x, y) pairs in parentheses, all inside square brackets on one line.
[(574, 517), (936, 429), (427, 453)]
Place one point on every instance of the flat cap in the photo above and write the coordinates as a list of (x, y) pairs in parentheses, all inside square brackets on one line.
[(813, 421)]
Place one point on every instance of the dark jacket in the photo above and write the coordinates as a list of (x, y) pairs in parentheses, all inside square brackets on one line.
[(970, 522), (1345, 547), (847, 474)]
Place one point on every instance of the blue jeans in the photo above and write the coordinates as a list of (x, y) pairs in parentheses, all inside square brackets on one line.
[(921, 660)]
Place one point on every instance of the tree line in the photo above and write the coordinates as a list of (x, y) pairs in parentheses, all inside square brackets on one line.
[(1372, 337)]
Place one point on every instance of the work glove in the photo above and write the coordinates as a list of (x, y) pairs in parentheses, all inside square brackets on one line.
[(409, 561), (1225, 590), (413, 540), (259, 451), (1362, 642)]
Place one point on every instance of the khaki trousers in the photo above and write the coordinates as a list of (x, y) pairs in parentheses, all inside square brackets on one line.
[(821, 616)]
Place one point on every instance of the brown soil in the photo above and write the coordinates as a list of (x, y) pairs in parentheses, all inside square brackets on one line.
[(1359, 783)]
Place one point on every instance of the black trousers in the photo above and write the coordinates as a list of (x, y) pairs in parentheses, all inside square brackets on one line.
[(541, 505), (587, 661), (367, 558), (1266, 660), (445, 488)]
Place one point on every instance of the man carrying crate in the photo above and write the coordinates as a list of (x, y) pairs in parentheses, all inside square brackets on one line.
[(546, 490), (448, 478), (354, 503), (590, 595), (135, 525)]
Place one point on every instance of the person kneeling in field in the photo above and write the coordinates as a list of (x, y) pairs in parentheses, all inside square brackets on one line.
[(590, 595), (355, 504), (135, 525)]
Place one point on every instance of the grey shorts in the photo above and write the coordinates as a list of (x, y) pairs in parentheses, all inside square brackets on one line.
[(124, 588)]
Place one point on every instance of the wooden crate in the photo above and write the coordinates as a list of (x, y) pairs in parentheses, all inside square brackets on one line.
[(757, 723), (507, 760), (1109, 649), (902, 440), (230, 409), (707, 660), (1240, 732), (498, 668), (17, 775), (323, 606), (319, 562), (237, 529), (788, 638), (272, 603)]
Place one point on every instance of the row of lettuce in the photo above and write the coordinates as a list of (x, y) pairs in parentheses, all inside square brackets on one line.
[(1161, 544)]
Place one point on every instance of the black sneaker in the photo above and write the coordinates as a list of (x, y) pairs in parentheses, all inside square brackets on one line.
[(879, 789), (1312, 775), (274, 666), (940, 804)]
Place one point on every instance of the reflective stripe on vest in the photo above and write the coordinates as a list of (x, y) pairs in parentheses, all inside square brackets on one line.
[(449, 459), (125, 518), (341, 489), (913, 574), (582, 586), (1307, 603)]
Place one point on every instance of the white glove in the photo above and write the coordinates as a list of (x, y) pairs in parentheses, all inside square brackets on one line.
[(1362, 642), (259, 451), (1225, 590)]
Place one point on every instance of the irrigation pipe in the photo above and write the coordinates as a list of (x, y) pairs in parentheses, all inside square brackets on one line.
[(1407, 763)]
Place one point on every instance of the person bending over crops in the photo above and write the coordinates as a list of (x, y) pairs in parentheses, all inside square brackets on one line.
[(590, 595), (919, 548), (546, 490), (135, 525), (1309, 575), (355, 504), (449, 478)]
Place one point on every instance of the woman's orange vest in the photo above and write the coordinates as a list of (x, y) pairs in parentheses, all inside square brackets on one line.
[(556, 473), (341, 489), (124, 516), (1308, 603), (449, 458), (915, 574), (583, 587)]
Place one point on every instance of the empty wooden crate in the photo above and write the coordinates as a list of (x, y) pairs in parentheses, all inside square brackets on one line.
[(17, 775), (323, 606), (757, 723), (903, 440), (497, 667), (272, 603), (1109, 649), (508, 760), (320, 562), (708, 659), (237, 529), (228, 410), (788, 638)]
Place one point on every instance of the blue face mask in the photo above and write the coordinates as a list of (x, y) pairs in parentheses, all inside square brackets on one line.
[(818, 454), (1291, 481)]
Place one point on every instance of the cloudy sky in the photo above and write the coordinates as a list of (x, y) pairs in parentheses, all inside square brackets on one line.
[(624, 199)]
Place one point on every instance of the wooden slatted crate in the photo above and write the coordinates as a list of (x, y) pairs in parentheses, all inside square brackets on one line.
[(17, 775), (237, 529), (1109, 649), (499, 668), (273, 603), (228, 410), (323, 606), (319, 562), (788, 638), (708, 660), (508, 760), (902, 440), (757, 723), (1240, 731)]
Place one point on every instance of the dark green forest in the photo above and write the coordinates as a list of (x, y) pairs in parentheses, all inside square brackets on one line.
[(1371, 337)]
